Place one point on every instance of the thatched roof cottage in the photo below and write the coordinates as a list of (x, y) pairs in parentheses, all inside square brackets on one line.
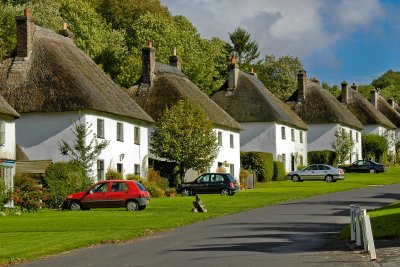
[(53, 84), (324, 115), (372, 119), (161, 86), (268, 124)]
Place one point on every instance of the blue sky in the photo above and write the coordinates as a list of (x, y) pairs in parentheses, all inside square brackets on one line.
[(337, 40)]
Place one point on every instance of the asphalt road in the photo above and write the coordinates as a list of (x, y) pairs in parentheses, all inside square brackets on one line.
[(296, 233)]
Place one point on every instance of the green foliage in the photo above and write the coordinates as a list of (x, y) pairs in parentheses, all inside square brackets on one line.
[(261, 163), (62, 179), (300, 167), (334, 89), (131, 176), (374, 147), (155, 177), (343, 145), (82, 152), (169, 170), (365, 90), (245, 49), (279, 171), (112, 174), (4, 194), (243, 176), (28, 193), (280, 75), (322, 157), (389, 84), (184, 135), (153, 188)]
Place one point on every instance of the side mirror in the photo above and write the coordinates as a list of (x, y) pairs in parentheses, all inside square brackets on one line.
[(90, 192)]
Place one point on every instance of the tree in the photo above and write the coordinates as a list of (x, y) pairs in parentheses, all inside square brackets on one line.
[(389, 84), (374, 147), (185, 135), (243, 47), (334, 89), (279, 75), (83, 152), (343, 145)]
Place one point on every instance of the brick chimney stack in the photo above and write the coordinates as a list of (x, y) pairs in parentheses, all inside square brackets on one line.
[(25, 29), (345, 93), (233, 73), (301, 85), (148, 63), (374, 98), (354, 87), (252, 72), (174, 60)]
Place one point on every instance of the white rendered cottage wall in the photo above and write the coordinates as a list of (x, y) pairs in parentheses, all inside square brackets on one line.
[(38, 135), (267, 137), (321, 137)]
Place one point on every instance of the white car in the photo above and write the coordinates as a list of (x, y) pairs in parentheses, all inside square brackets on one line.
[(317, 172)]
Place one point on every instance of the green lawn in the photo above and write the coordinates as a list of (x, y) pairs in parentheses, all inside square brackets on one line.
[(34, 235)]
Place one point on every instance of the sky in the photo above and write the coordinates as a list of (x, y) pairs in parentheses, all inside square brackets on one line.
[(336, 40)]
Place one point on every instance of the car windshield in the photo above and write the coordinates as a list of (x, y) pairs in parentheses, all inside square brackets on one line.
[(141, 187)]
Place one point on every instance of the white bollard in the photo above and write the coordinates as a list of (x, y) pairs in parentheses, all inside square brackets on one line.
[(363, 214), (353, 222), (370, 239), (358, 229)]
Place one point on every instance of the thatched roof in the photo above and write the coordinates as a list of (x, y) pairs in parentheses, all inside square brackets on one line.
[(321, 107), (59, 77), (364, 111), (250, 101), (388, 111), (169, 86), (5, 108)]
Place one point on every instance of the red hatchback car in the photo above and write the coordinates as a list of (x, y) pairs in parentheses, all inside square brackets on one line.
[(110, 194)]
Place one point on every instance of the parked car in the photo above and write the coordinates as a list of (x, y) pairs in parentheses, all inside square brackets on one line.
[(365, 166), (208, 183), (110, 194), (317, 172)]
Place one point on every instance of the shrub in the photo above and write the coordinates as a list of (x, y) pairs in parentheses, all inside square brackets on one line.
[(155, 177), (374, 147), (322, 157), (62, 179), (243, 176), (4, 194), (279, 171), (154, 189), (168, 170), (131, 176), (300, 167), (112, 174), (260, 162), (28, 193)]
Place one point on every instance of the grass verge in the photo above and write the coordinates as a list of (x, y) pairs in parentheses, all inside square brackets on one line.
[(47, 232)]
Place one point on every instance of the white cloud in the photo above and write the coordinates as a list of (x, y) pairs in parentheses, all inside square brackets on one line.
[(281, 27)]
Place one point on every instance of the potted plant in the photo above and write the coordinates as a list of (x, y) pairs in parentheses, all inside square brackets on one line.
[(171, 192)]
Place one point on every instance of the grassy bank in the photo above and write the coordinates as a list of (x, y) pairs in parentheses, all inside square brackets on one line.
[(34, 235)]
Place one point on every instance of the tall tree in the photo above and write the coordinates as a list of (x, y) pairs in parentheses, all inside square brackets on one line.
[(84, 150), (389, 84), (279, 75), (334, 89), (185, 135), (244, 48)]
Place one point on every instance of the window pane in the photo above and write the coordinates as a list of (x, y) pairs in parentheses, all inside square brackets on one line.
[(220, 138), (292, 134), (120, 168), (137, 136), (283, 132), (137, 169), (100, 170), (301, 136), (100, 128), (2, 132), (231, 140), (120, 131)]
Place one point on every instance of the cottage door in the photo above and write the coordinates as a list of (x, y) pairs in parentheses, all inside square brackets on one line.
[(292, 162)]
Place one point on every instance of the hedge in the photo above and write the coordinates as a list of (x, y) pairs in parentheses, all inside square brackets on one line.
[(261, 163), (322, 157), (279, 171)]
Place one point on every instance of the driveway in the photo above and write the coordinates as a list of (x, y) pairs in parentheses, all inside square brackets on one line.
[(296, 233)]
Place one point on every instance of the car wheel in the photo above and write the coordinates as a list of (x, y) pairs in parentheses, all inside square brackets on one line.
[(372, 171), (186, 192), (132, 205), (224, 192), (296, 178), (75, 206), (142, 207), (329, 179)]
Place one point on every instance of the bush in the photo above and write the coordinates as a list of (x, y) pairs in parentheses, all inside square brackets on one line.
[(155, 177), (154, 189), (260, 162), (112, 174), (243, 177), (322, 157), (4, 194), (62, 179), (279, 171), (28, 193), (374, 147), (168, 170), (300, 167), (131, 176)]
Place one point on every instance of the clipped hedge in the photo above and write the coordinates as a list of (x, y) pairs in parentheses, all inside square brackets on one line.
[(322, 157), (62, 179), (261, 163), (279, 171)]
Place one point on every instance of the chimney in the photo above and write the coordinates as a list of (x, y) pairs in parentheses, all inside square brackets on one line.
[(233, 73), (301, 85), (374, 98), (252, 72), (148, 63), (25, 29), (174, 60), (391, 102), (354, 87), (345, 93), (66, 32)]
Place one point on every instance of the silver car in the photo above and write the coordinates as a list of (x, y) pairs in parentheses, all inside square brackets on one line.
[(317, 172)]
